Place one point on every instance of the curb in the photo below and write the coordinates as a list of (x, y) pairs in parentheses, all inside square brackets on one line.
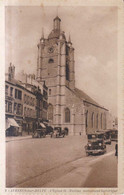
[(16, 139)]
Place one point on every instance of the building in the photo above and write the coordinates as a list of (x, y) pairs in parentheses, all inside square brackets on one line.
[(40, 90), (25, 103), (68, 106)]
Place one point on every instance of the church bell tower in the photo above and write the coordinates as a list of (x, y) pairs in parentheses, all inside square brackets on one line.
[(55, 66)]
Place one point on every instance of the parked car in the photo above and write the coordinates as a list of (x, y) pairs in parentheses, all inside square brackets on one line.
[(58, 132), (107, 136), (38, 133), (49, 130), (114, 135), (96, 144)]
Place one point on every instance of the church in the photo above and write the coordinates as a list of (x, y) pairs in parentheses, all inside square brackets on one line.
[(68, 106)]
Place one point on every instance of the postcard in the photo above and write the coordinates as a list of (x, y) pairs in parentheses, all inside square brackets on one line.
[(62, 97)]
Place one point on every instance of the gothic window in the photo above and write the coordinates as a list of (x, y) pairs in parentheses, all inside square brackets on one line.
[(86, 119), (67, 115), (97, 121), (67, 71), (50, 112), (92, 120), (104, 121), (51, 60)]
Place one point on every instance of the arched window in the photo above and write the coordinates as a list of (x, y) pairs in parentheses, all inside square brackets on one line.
[(97, 120), (92, 120), (101, 121), (104, 121), (51, 60), (67, 71), (86, 119), (50, 112), (67, 115)]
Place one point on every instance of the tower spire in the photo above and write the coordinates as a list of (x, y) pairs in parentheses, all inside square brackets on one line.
[(42, 36), (57, 10), (42, 33), (69, 39)]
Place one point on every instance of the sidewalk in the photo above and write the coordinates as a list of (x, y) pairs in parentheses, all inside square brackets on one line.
[(14, 138), (26, 136)]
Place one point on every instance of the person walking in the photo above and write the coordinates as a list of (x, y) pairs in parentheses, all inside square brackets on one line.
[(116, 149)]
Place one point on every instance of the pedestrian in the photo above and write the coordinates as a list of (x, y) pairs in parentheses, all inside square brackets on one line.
[(116, 149)]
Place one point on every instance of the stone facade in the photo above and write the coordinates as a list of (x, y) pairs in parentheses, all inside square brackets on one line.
[(69, 107)]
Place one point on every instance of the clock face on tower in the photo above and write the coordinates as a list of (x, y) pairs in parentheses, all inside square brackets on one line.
[(50, 49)]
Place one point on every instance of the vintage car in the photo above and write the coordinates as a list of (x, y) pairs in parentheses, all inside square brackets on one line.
[(38, 133), (49, 130), (107, 136), (96, 144), (58, 132), (114, 134)]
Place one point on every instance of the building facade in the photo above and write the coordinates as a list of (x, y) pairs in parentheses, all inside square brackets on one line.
[(68, 107), (25, 103)]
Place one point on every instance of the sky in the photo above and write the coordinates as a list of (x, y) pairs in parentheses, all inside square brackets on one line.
[(93, 32)]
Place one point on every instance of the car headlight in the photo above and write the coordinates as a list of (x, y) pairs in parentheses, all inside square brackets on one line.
[(89, 144), (100, 144)]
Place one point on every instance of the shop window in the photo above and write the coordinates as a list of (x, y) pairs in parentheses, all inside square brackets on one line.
[(67, 115)]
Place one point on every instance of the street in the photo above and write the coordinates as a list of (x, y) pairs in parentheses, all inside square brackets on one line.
[(58, 162)]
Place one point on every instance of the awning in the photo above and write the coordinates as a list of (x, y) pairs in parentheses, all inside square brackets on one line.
[(11, 122), (42, 125)]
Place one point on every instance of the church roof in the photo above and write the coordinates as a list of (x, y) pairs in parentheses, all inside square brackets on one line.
[(83, 96)]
